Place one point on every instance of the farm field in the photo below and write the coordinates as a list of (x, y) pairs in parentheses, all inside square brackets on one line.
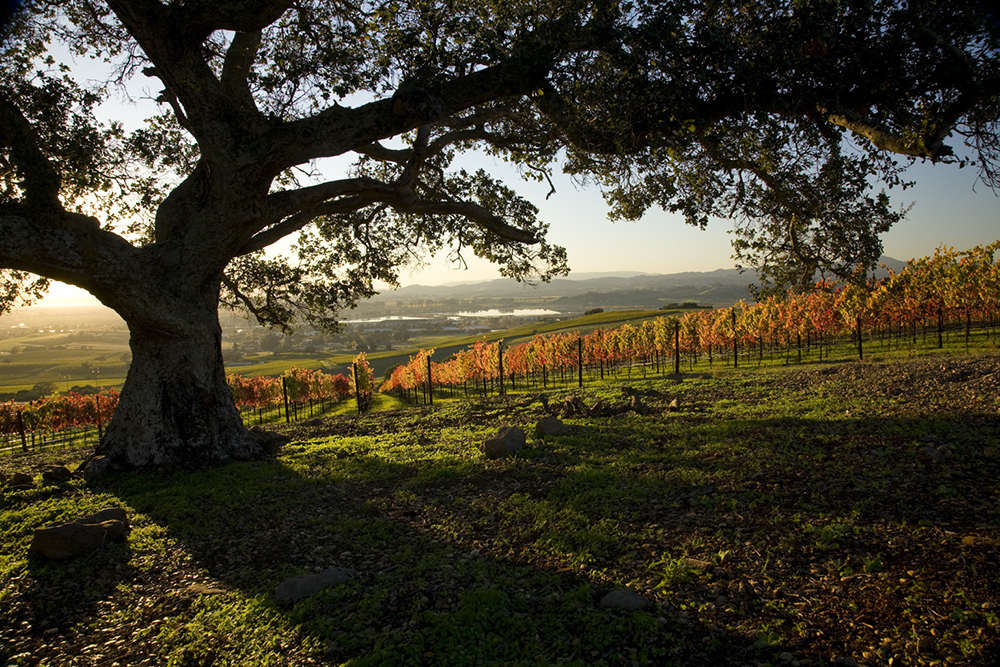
[(844, 512), (100, 358)]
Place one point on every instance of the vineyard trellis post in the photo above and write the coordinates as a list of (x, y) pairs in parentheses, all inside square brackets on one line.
[(430, 382), (736, 362), (940, 328), (357, 388), (677, 347), (503, 390), (97, 407), (20, 427), (284, 392), (579, 361), (861, 352)]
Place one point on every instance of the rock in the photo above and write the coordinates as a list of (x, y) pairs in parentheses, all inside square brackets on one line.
[(935, 454), (507, 443), (551, 426), (674, 406), (313, 422), (544, 400), (66, 540), (270, 439), (296, 588), (97, 467), (574, 405), (107, 514), (599, 407), (926, 645), (623, 599), (20, 480), (637, 406), (845, 662), (56, 475)]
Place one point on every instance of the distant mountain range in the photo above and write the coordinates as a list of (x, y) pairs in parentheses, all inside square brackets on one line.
[(721, 287)]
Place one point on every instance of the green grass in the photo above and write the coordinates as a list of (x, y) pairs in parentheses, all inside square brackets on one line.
[(777, 508)]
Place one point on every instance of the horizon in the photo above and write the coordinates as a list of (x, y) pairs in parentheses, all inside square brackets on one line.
[(950, 207)]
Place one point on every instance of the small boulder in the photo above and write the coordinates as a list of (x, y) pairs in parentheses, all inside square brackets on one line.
[(97, 467), (20, 480), (624, 599), (66, 540), (638, 407), (116, 514), (572, 405), (313, 422), (56, 475), (270, 439), (935, 454), (551, 426), (296, 588), (674, 406), (507, 443)]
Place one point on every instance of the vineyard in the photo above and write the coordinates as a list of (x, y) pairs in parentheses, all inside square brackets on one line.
[(952, 293), (75, 419)]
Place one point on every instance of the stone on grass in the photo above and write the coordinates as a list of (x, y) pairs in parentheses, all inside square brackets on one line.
[(296, 588), (507, 443), (935, 454), (66, 540), (270, 439), (551, 426), (313, 422), (624, 599), (674, 406), (638, 407), (56, 475), (97, 467), (573, 405), (20, 480)]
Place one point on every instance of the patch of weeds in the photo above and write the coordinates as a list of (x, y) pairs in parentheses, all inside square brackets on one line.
[(671, 570), (766, 639), (872, 564)]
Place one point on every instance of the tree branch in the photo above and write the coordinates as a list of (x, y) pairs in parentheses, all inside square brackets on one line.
[(236, 69), (41, 180), (929, 146), (337, 130)]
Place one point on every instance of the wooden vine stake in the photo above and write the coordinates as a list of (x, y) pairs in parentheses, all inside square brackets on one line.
[(677, 347), (736, 362), (430, 383), (503, 390), (357, 389), (284, 392)]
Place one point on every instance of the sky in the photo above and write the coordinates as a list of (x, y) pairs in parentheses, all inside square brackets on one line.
[(949, 208)]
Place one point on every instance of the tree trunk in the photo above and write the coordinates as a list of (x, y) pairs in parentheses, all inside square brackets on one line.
[(176, 409)]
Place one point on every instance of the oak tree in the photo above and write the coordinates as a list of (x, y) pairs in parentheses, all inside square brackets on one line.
[(778, 114)]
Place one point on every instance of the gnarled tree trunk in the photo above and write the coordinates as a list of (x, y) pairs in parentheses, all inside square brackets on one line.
[(176, 409)]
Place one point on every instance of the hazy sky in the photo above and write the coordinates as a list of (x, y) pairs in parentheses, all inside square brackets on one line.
[(949, 208)]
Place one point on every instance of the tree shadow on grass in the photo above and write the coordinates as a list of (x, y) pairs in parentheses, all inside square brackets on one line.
[(748, 543)]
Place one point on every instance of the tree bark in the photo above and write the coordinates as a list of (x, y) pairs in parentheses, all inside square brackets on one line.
[(176, 409)]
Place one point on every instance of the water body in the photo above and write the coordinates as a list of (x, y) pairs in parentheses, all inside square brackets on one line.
[(517, 312), (492, 312)]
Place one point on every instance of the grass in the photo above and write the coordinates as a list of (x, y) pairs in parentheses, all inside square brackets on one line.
[(780, 511)]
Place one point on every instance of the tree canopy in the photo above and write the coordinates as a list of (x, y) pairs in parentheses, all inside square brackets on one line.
[(787, 116)]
